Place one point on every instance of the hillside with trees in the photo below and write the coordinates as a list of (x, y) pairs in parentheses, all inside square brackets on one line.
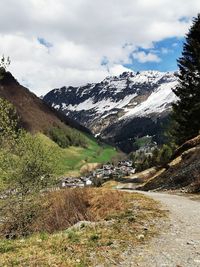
[(73, 144), (35, 115)]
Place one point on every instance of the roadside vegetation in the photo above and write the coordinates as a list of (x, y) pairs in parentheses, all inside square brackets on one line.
[(83, 227)]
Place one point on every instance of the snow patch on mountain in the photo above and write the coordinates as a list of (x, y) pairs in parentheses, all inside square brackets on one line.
[(99, 107), (116, 98), (160, 100)]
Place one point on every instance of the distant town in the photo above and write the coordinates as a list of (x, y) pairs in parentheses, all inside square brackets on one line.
[(97, 177)]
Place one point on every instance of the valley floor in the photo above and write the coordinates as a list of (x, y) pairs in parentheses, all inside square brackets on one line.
[(178, 245)]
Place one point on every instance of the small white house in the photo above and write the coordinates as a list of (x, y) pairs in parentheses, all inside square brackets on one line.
[(88, 182)]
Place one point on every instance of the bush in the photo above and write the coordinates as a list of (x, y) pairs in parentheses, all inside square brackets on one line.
[(73, 236), (17, 221), (9, 122), (165, 154), (159, 157), (26, 169), (62, 209), (94, 237), (54, 211)]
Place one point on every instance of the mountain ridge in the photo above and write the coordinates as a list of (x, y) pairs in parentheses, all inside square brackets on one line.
[(110, 105), (35, 115)]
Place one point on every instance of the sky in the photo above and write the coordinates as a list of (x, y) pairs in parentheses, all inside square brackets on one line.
[(53, 43)]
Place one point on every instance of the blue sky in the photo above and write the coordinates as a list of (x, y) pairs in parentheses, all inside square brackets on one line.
[(44, 42), (167, 52)]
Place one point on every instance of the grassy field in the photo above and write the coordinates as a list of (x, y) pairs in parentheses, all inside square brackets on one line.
[(70, 160), (119, 221)]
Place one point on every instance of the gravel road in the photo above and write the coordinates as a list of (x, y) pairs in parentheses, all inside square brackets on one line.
[(178, 244)]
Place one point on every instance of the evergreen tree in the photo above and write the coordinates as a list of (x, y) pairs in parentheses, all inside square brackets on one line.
[(186, 112), (4, 64), (165, 154)]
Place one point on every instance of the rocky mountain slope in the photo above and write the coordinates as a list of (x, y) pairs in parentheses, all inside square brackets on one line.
[(35, 115), (183, 172), (119, 108)]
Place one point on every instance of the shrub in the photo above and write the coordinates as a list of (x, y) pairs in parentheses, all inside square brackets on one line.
[(159, 157), (9, 122), (73, 236), (26, 169), (62, 209), (54, 211), (94, 237)]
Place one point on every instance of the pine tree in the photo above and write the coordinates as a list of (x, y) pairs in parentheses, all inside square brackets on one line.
[(186, 112), (4, 64)]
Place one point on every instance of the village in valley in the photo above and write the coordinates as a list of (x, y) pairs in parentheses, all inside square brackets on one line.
[(107, 172)]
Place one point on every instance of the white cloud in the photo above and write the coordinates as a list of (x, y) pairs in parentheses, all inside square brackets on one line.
[(82, 33), (165, 50), (117, 70), (143, 57)]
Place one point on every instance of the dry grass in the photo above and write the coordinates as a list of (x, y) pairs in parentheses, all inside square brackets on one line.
[(89, 167), (63, 209), (146, 174), (67, 207), (106, 203), (153, 177), (110, 184), (175, 161), (119, 218)]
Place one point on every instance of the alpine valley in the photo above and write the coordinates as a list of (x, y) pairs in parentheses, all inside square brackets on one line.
[(120, 109)]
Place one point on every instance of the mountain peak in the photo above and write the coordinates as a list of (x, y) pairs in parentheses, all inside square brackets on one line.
[(134, 76), (117, 100)]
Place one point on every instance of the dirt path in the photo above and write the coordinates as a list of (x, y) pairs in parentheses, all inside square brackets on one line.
[(178, 245)]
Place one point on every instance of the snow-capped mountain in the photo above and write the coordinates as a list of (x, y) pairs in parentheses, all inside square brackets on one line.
[(109, 106)]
